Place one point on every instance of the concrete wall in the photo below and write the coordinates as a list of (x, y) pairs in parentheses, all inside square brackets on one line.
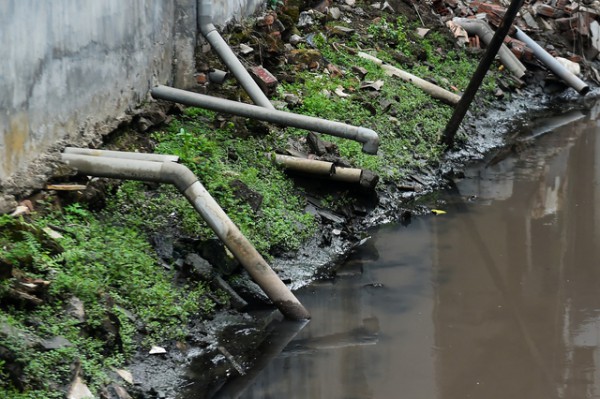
[(71, 70)]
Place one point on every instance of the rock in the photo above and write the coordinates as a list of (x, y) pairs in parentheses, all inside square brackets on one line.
[(55, 235), (334, 71), (75, 308), (341, 30), (163, 245), (115, 391), (6, 270), (79, 390), (246, 194), (245, 49), (7, 204), (387, 6), (20, 210), (571, 66), (157, 350), (54, 343), (199, 267), (339, 91), (265, 80), (360, 71), (125, 375), (376, 85), (305, 19), (155, 116), (292, 99), (219, 257), (143, 124), (305, 57), (295, 39), (248, 289), (335, 13), (317, 145), (237, 302)]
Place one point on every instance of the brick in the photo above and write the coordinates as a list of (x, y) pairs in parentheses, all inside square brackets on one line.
[(265, 80)]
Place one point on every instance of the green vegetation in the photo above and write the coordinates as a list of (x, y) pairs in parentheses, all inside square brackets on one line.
[(112, 269), (410, 130), (104, 258)]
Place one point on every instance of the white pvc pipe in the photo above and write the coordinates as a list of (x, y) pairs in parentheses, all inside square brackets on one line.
[(367, 137), (226, 54), (120, 154), (485, 32), (186, 182), (556, 67)]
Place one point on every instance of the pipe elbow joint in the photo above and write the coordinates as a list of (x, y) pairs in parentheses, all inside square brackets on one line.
[(178, 175), (370, 140), (205, 17)]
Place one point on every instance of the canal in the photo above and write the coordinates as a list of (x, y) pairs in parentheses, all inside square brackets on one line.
[(497, 298)]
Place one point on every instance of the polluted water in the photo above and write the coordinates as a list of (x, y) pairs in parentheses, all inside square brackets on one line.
[(496, 297)]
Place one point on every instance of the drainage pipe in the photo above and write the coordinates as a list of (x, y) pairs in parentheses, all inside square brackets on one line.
[(120, 154), (428, 87), (226, 54), (580, 86), (207, 207), (327, 170), (485, 32), (363, 135)]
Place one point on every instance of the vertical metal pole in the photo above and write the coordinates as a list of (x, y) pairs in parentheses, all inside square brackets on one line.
[(484, 65)]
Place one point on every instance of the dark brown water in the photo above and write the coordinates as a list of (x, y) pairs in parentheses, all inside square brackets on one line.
[(497, 298)]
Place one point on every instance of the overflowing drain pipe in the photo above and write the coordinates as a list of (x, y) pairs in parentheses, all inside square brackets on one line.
[(556, 67), (367, 137), (328, 170), (485, 32), (209, 31), (122, 167)]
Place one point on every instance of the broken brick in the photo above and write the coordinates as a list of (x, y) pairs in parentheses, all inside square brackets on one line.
[(265, 80)]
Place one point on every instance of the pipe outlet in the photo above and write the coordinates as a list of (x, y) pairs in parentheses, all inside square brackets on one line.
[(186, 182), (367, 137)]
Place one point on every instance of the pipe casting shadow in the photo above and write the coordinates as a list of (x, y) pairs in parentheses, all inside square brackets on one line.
[(186, 182), (368, 137), (209, 31)]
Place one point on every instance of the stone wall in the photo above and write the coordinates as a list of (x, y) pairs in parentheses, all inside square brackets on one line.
[(71, 71)]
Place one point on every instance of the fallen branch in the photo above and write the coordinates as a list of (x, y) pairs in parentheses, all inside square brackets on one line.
[(427, 87)]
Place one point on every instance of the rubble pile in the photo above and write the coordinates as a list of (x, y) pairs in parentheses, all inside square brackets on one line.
[(566, 29)]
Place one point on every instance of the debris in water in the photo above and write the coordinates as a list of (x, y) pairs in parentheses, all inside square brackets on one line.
[(438, 212)]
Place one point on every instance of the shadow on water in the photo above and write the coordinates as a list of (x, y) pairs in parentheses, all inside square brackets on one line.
[(498, 298)]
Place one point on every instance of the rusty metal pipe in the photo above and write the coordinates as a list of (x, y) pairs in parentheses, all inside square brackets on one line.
[(328, 170), (319, 168), (186, 182)]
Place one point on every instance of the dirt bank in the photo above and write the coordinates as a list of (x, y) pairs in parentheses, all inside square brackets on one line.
[(305, 226)]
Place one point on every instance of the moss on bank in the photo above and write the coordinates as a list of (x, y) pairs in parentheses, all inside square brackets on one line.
[(104, 257)]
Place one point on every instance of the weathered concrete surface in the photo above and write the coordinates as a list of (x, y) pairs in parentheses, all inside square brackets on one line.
[(72, 71)]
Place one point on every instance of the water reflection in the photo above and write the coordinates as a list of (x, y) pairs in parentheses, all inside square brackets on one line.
[(499, 298)]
